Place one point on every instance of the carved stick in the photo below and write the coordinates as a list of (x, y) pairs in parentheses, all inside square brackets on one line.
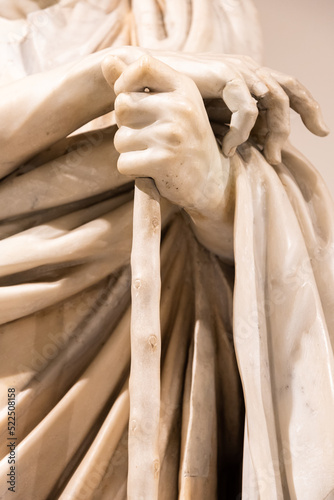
[(143, 474)]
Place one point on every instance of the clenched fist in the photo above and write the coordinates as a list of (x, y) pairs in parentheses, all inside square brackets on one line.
[(164, 133)]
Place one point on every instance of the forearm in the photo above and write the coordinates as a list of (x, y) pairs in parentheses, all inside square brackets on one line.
[(215, 235), (40, 109), (213, 226)]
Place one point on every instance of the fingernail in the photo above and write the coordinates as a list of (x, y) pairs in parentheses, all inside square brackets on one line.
[(324, 129), (229, 143), (231, 152), (228, 149), (275, 159), (272, 154), (112, 68)]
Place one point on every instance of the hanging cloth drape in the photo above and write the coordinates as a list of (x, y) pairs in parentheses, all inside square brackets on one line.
[(283, 319)]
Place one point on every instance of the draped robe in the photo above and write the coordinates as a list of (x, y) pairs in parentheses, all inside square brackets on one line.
[(247, 353)]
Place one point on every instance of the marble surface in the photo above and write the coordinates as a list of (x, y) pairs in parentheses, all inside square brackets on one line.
[(160, 348)]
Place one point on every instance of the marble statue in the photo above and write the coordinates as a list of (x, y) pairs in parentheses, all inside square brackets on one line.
[(231, 393)]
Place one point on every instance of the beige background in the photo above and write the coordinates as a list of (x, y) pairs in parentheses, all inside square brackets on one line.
[(299, 40)]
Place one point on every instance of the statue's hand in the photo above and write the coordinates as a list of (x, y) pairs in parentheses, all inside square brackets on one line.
[(166, 134), (252, 95), (275, 93)]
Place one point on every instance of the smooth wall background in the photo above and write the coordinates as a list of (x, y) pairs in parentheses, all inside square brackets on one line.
[(299, 40)]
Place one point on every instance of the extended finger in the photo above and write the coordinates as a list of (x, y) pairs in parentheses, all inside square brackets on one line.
[(302, 101), (112, 67), (149, 73), (277, 106), (247, 68), (260, 130), (244, 113)]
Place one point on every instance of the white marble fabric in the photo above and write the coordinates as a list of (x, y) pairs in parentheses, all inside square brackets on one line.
[(247, 330)]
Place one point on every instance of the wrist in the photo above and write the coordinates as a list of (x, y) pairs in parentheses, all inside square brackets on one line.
[(213, 223), (89, 86)]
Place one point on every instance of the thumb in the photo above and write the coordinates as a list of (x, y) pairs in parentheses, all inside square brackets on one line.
[(112, 67)]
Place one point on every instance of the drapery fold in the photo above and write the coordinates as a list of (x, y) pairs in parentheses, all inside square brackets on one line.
[(282, 321), (65, 296), (281, 334), (82, 27)]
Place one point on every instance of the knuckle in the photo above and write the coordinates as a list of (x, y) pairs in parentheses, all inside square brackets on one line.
[(284, 131), (251, 110), (173, 134), (216, 68), (186, 109), (234, 84), (291, 81), (315, 106), (283, 100), (165, 156), (190, 84), (277, 100)]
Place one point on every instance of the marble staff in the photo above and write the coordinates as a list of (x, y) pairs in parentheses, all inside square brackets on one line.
[(144, 386), (144, 465)]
